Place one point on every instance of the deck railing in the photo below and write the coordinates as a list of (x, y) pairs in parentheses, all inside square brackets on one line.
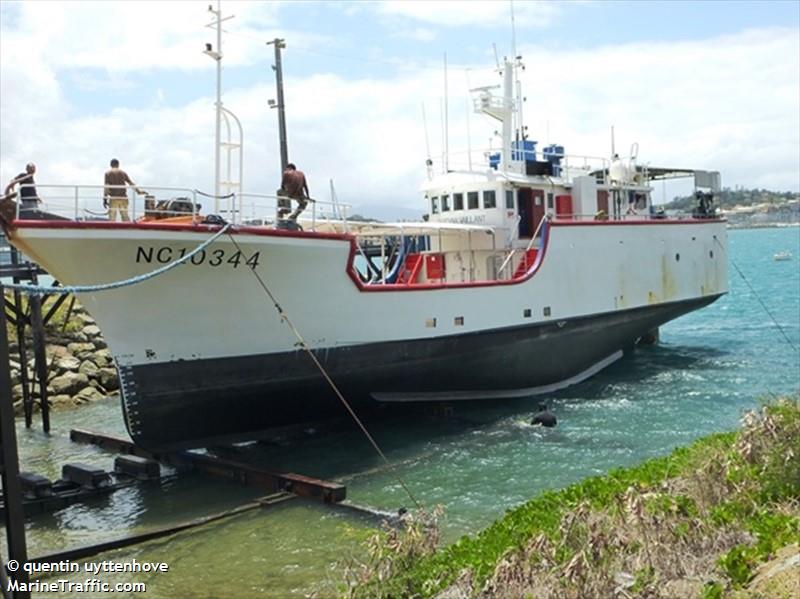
[(150, 202), (481, 159)]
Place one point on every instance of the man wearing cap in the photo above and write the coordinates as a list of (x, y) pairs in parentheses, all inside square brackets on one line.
[(28, 197)]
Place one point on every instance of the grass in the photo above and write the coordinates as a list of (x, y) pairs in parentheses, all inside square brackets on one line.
[(707, 513), (57, 324)]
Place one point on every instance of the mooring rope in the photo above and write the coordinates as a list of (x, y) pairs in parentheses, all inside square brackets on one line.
[(302, 343), (41, 290), (209, 195), (758, 297)]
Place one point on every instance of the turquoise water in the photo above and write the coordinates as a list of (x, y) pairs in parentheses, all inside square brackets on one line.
[(709, 367)]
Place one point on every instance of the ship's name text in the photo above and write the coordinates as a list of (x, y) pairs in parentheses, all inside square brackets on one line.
[(217, 257)]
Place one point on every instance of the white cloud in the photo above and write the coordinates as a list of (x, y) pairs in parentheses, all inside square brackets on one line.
[(448, 13), (419, 34), (730, 103), (123, 36)]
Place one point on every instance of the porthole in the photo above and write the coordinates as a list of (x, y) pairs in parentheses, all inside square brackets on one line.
[(711, 253), (677, 257)]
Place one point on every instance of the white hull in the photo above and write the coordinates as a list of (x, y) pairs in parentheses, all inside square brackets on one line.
[(586, 269), (204, 356)]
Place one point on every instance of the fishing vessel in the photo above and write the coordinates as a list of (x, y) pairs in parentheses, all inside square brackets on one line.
[(535, 269)]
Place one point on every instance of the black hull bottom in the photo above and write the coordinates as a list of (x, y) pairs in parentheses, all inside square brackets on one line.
[(186, 404)]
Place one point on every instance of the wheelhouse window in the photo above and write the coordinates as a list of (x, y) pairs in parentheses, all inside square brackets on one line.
[(435, 205), (489, 199), (445, 203), (510, 199), (458, 201), (472, 200), (549, 200)]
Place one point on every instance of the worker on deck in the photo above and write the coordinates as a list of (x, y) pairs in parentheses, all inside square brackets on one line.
[(295, 187), (115, 197), (28, 197)]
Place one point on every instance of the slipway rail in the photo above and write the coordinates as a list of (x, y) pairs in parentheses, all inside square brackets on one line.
[(298, 484)]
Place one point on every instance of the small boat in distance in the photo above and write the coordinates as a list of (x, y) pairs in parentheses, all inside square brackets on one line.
[(534, 269), (782, 256)]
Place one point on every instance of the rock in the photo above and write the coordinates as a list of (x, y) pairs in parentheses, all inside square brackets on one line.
[(61, 401), (81, 350), (91, 331), (86, 395), (16, 392), (99, 343), (56, 351), (67, 363), (84, 318), (778, 578), (102, 357), (89, 368), (15, 377), (109, 378), (69, 383), (14, 365)]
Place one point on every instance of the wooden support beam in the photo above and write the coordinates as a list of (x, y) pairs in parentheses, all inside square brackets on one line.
[(305, 486), (9, 468), (40, 358), (54, 308)]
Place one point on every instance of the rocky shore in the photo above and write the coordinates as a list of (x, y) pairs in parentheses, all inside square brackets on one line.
[(79, 364)]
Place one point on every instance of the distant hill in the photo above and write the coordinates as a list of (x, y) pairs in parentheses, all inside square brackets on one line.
[(730, 198), (749, 207)]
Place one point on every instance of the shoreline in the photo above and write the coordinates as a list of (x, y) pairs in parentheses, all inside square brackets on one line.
[(718, 518)]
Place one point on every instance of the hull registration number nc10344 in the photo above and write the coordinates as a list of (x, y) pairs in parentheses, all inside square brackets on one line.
[(216, 257)]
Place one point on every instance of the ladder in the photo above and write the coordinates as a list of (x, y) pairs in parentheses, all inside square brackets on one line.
[(410, 269)]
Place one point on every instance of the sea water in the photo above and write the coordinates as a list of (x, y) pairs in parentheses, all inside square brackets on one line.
[(709, 367)]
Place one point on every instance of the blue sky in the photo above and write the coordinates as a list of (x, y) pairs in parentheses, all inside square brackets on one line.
[(703, 84)]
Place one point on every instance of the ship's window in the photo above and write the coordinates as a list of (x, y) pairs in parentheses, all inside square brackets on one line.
[(430, 323), (711, 253), (549, 200), (489, 199), (472, 200), (458, 321), (434, 205), (510, 199), (458, 201), (546, 311), (445, 203), (677, 257), (526, 313)]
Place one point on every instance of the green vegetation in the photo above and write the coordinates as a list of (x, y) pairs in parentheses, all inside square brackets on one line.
[(728, 198), (62, 321), (694, 523)]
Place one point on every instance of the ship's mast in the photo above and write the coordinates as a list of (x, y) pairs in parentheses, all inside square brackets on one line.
[(500, 108), (217, 56), (508, 105), (279, 45)]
